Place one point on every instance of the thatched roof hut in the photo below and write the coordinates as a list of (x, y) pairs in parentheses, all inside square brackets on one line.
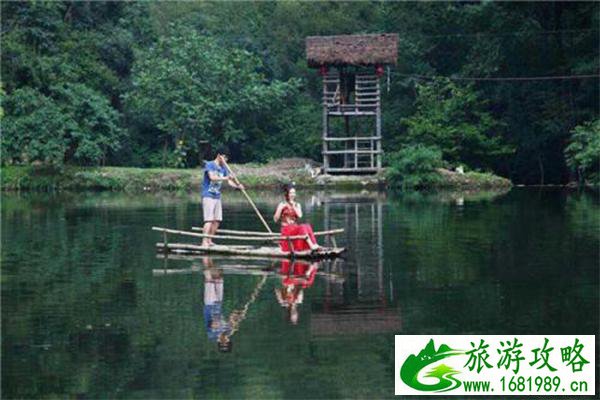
[(352, 49)]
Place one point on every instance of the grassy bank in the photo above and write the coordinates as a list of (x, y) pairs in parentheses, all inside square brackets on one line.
[(470, 180), (252, 175), (117, 179)]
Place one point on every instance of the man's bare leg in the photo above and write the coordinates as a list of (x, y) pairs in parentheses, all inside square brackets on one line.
[(213, 229), (206, 229)]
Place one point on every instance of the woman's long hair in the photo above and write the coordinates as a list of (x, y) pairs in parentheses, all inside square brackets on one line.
[(286, 190)]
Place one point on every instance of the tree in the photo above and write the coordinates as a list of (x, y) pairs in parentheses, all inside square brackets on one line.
[(414, 166), (453, 118), (95, 131), (34, 129), (192, 89), (76, 125), (583, 152), (270, 107)]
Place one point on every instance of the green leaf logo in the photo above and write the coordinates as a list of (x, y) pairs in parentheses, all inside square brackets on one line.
[(414, 364)]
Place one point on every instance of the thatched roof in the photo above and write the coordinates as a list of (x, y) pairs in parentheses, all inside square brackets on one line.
[(352, 49)]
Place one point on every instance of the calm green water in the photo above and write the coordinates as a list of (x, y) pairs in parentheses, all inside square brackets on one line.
[(89, 310)]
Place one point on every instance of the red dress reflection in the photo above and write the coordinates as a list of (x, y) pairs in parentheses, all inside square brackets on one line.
[(298, 273), (296, 276)]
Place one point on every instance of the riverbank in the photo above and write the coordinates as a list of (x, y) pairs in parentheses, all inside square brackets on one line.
[(304, 173)]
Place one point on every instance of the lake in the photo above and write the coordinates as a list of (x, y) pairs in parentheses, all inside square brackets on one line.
[(89, 310)]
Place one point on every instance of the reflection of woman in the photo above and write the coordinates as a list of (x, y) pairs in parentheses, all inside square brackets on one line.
[(289, 212), (296, 276)]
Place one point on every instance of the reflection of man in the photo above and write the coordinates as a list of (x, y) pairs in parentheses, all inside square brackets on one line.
[(217, 326), (296, 276)]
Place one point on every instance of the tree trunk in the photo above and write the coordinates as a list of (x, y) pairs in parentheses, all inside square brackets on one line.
[(164, 160), (541, 165), (67, 17)]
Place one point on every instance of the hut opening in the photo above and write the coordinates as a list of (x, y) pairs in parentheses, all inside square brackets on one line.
[(351, 67)]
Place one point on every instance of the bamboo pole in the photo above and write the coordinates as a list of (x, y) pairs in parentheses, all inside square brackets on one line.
[(254, 233), (238, 316), (187, 248), (273, 238), (247, 197)]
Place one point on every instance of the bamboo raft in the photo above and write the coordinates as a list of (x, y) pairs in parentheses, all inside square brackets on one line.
[(259, 250)]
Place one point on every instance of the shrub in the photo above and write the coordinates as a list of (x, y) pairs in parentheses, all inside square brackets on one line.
[(414, 166), (583, 152)]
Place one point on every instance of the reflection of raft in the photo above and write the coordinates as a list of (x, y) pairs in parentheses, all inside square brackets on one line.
[(245, 267), (259, 250)]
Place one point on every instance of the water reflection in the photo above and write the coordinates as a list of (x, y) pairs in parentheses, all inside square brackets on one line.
[(295, 277), (362, 217), (218, 327), (355, 295), (365, 303), (89, 311)]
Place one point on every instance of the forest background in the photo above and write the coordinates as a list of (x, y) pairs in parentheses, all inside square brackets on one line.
[(508, 88)]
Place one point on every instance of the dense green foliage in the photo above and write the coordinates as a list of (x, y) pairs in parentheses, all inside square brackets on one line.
[(414, 166), (454, 119), (450, 124), (149, 84), (192, 90), (76, 122), (583, 151)]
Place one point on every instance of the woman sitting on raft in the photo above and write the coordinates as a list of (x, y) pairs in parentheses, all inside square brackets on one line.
[(289, 212)]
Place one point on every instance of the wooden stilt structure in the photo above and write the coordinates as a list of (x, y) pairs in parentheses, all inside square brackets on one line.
[(351, 67)]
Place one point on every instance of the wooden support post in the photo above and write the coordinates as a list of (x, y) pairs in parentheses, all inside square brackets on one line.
[(347, 157), (356, 152), (326, 216), (325, 128), (378, 129), (333, 241), (372, 145)]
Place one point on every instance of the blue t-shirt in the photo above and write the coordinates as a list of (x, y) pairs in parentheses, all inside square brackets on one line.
[(210, 188), (213, 314)]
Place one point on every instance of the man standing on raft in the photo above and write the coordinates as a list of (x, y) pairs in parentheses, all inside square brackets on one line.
[(215, 172)]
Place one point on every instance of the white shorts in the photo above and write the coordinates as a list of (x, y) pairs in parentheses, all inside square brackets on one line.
[(213, 292), (212, 210)]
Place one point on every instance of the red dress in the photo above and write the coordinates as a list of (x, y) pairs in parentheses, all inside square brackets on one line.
[(295, 273), (289, 227)]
